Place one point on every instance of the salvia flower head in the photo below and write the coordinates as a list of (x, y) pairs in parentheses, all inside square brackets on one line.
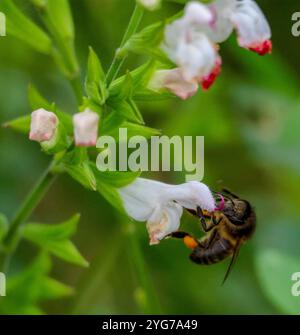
[(161, 205), (43, 125), (247, 18), (86, 128), (189, 48)]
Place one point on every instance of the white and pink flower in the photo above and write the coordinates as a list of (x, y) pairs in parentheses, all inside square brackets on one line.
[(43, 125), (161, 205), (247, 18), (86, 128)]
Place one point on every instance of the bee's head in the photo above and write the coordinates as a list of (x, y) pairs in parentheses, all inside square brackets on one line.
[(237, 211)]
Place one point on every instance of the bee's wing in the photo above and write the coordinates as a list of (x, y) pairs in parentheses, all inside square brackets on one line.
[(233, 259)]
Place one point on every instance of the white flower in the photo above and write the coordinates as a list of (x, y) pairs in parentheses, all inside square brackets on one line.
[(43, 125), (187, 45), (197, 13), (161, 205), (246, 17), (150, 4), (86, 128), (174, 81)]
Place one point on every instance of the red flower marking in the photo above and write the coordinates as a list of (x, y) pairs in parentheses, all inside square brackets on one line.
[(208, 80), (263, 48)]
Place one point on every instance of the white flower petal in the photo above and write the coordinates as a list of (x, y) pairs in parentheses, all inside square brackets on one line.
[(252, 26), (197, 13), (190, 49), (191, 195), (164, 222), (141, 197)]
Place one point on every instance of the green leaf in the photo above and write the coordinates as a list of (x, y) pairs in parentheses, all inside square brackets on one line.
[(3, 226), (20, 124), (61, 17), (147, 42), (95, 80), (21, 27), (52, 289), (128, 110), (28, 288), (275, 270), (55, 239), (35, 231), (139, 78), (77, 164), (115, 179), (111, 195), (111, 128)]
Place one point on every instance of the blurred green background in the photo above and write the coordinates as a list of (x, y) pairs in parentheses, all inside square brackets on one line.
[(251, 123)]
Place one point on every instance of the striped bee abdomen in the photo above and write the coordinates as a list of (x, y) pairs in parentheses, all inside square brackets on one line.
[(216, 252)]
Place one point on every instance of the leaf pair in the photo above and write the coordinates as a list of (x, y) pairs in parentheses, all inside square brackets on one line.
[(55, 239)]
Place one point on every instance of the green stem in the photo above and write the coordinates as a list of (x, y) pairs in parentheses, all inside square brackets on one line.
[(28, 206), (145, 294), (120, 55)]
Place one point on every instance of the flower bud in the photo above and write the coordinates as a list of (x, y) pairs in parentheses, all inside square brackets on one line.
[(173, 81), (43, 125), (150, 4), (86, 128)]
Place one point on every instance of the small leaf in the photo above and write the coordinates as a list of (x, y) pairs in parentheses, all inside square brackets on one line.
[(21, 27), (148, 42), (66, 251), (111, 195), (95, 81), (20, 124), (44, 232), (128, 110), (115, 179), (139, 78), (114, 121), (55, 239), (52, 289), (28, 288), (77, 164)]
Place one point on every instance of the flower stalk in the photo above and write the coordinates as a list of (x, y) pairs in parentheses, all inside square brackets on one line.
[(28, 206)]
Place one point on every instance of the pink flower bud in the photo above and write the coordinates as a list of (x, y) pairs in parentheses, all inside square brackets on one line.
[(43, 125), (173, 81), (86, 128)]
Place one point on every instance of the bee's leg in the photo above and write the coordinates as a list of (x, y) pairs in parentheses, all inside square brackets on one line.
[(178, 234), (206, 226), (189, 241), (207, 242)]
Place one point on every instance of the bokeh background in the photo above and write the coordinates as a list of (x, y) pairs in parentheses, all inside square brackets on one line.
[(251, 123)]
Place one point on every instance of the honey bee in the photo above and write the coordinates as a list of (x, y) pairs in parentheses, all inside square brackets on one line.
[(227, 229)]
